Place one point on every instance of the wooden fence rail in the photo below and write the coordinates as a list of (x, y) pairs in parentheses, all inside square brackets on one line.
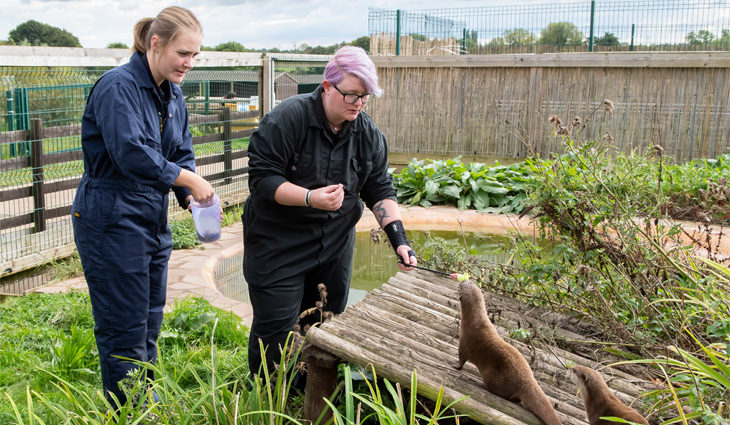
[(228, 127)]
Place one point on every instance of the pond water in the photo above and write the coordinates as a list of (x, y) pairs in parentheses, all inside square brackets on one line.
[(374, 263)]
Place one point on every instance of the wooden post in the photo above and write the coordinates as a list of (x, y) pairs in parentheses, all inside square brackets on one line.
[(35, 138), (321, 382), (227, 152), (268, 100), (533, 117)]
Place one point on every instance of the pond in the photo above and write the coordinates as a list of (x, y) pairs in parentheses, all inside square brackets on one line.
[(374, 263)]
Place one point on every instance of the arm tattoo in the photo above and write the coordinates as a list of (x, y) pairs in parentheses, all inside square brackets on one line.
[(380, 212)]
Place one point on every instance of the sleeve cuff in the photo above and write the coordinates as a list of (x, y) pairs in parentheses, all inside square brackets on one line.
[(268, 185), (167, 177)]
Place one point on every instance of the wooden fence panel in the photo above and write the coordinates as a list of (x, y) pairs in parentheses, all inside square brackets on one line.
[(499, 105)]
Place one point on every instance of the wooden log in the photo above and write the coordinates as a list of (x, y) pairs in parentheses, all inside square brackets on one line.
[(426, 387), (321, 382), (431, 357)]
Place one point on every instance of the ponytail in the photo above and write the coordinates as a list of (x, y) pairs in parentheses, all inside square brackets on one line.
[(166, 25), (141, 29)]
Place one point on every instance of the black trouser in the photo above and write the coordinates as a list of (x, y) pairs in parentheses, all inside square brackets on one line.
[(277, 305)]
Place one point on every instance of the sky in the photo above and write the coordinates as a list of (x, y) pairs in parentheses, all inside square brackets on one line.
[(253, 23)]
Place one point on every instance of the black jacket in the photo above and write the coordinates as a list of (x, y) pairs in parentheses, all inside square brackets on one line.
[(293, 144)]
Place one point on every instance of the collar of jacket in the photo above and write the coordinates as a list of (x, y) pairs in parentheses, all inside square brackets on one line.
[(317, 117), (143, 75)]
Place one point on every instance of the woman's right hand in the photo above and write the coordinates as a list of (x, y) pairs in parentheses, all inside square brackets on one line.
[(199, 187), (328, 198)]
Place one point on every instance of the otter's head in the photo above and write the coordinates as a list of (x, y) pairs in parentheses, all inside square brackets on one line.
[(468, 289), (587, 379)]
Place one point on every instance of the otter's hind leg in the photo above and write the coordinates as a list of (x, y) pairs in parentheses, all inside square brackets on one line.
[(462, 357)]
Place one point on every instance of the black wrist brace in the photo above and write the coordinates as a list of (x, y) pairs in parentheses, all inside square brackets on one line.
[(396, 234)]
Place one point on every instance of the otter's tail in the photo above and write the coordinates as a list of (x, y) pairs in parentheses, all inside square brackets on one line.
[(537, 402)]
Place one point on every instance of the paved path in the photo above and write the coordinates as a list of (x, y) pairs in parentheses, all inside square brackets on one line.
[(192, 271)]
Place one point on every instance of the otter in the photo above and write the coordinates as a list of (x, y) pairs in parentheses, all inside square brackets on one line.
[(598, 399), (503, 369)]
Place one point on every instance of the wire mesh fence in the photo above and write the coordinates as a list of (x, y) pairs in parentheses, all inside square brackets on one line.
[(41, 161), (540, 27)]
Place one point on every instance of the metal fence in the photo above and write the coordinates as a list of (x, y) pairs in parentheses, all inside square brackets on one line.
[(567, 26), (41, 158)]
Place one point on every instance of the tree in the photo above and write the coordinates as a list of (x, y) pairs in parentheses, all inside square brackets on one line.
[(39, 34), (230, 46), (519, 37), (700, 38), (117, 45), (363, 42), (561, 34), (608, 39)]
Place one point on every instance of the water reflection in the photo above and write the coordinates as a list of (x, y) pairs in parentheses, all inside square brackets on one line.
[(374, 263)]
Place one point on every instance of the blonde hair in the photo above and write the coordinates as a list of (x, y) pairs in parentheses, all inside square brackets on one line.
[(166, 25)]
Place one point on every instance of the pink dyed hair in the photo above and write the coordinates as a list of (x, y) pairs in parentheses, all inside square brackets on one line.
[(353, 60)]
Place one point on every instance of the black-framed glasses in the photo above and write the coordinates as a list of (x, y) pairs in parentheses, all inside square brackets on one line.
[(352, 98)]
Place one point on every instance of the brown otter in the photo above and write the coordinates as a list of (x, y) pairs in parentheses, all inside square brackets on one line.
[(503, 369), (599, 400)]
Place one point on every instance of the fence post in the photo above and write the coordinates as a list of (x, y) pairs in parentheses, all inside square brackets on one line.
[(11, 120), (463, 42), (35, 138), (593, 19), (397, 32), (534, 114), (633, 28), (227, 157), (267, 101)]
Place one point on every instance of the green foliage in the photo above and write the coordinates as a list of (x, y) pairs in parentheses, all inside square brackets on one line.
[(561, 34), (183, 234), (191, 323), (701, 37), (49, 372), (75, 353), (40, 34), (694, 380), (519, 37), (230, 46), (608, 39), (117, 45), (473, 185), (387, 411), (363, 42)]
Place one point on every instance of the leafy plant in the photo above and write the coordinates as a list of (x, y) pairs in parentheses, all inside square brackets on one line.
[(75, 353), (183, 234), (497, 189), (380, 407)]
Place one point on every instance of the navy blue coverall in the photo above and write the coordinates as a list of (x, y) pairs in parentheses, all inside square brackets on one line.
[(135, 140), (289, 250)]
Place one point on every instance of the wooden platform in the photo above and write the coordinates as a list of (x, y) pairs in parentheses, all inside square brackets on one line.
[(411, 323)]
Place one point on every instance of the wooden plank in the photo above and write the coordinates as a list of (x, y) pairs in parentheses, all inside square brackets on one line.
[(208, 138), (48, 187), (15, 163), (195, 119), (13, 136), (61, 157), (241, 134), (224, 174), (563, 60), (238, 115), (409, 350), (62, 131), (426, 386), (78, 56)]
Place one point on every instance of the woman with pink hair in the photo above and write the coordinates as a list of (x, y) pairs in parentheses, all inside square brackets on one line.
[(311, 161)]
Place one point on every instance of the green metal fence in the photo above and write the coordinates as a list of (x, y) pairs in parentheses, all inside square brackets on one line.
[(567, 26), (41, 158)]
